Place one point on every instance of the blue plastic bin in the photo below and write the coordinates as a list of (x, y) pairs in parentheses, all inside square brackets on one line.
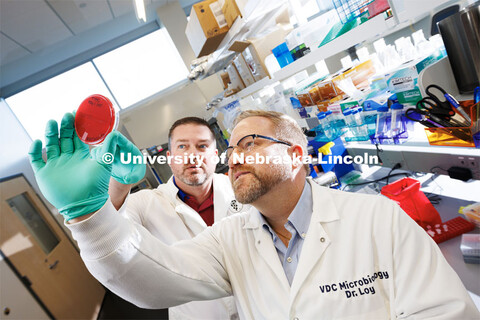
[(283, 55)]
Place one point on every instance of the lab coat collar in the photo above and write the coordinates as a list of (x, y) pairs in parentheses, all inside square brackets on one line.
[(323, 208), (192, 220), (224, 202), (171, 190), (317, 240), (181, 194)]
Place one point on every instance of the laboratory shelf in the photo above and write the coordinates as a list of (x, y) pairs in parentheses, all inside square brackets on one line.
[(257, 86), (341, 43), (261, 16), (363, 32), (243, 28), (370, 30)]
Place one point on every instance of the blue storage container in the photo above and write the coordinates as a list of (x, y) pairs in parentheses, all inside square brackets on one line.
[(283, 55)]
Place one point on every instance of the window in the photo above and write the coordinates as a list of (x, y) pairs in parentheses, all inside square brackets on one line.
[(142, 67), (34, 222), (51, 99), (132, 72)]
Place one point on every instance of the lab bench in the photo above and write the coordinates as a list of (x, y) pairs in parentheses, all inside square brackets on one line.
[(453, 195)]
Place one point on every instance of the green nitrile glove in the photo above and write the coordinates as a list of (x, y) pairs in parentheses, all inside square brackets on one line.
[(126, 173), (71, 180)]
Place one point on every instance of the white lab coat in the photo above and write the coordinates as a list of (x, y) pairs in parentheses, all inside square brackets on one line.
[(351, 238), (169, 219)]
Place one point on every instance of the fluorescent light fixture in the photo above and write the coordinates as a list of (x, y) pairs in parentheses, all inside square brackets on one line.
[(140, 10)]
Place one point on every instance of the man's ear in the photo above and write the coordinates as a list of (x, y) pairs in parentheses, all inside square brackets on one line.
[(297, 151), (168, 153)]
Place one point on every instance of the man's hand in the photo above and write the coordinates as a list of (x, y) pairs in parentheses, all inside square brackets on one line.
[(71, 180), (125, 173)]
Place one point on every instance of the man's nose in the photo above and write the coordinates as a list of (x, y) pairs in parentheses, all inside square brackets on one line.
[(234, 158)]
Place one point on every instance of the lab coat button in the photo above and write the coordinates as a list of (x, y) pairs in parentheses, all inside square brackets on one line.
[(322, 239), (289, 259), (304, 235)]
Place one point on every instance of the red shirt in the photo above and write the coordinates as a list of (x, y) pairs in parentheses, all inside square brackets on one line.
[(204, 209)]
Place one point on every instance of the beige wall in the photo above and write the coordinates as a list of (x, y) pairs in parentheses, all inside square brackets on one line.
[(148, 124)]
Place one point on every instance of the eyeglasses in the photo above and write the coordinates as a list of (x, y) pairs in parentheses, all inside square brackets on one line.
[(247, 144)]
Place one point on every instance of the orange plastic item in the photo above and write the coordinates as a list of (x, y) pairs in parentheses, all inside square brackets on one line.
[(359, 74), (315, 94), (455, 136), (327, 90), (305, 99)]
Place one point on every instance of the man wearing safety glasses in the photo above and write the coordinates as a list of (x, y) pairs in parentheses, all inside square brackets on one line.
[(301, 252)]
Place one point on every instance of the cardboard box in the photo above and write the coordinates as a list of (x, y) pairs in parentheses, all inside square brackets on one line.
[(235, 80), (262, 47), (225, 79), (254, 63), (203, 31), (243, 70), (231, 11)]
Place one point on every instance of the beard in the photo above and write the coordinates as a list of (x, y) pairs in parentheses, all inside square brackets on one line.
[(193, 179), (255, 184)]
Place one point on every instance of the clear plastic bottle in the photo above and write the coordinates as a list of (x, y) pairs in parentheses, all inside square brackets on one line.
[(382, 131), (338, 121), (361, 127), (350, 122), (396, 122), (422, 46), (347, 113), (326, 126)]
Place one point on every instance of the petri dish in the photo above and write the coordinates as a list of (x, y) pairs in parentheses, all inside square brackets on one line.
[(95, 118)]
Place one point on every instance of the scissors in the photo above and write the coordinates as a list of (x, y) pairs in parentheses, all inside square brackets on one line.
[(439, 108), (431, 121), (434, 105), (426, 118)]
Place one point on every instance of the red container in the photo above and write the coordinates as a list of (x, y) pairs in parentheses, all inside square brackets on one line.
[(406, 192)]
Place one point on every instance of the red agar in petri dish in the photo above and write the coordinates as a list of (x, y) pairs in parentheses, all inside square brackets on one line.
[(95, 118)]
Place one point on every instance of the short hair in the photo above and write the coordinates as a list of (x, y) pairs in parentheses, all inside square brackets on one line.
[(189, 120), (286, 128)]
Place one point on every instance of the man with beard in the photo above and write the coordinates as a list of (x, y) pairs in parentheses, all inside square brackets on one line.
[(192, 199), (301, 252)]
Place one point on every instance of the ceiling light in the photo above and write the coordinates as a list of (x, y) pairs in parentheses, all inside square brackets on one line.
[(140, 10)]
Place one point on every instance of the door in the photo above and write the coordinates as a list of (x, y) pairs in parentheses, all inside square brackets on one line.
[(16, 302), (45, 258)]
